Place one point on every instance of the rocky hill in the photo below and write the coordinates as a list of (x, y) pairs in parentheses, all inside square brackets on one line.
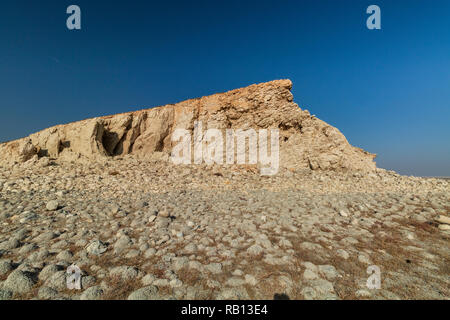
[(305, 141)]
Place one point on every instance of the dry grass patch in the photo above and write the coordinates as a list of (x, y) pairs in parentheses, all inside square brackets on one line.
[(120, 288)]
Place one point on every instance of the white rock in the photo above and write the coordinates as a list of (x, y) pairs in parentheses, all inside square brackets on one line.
[(343, 213), (443, 219), (52, 205), (19, 282), (251, 280), (96, 247), (255, 250), (310, 275)]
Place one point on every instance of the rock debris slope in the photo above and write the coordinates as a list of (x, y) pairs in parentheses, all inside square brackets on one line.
[(305, 141)]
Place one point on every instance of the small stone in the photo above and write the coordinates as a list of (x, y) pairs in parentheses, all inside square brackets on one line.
[(92, 293), (65, 255), (146, 293), (96, 248), (190, 248), (311, 246), (57, 281), (308, 293), (324, 289), (255, 250), (27, 248), (251, 280), (343, 254), (19, 282), (122, 243), (162, 223), (163, 213), (363, 294), (161, 283), (311, 266), (149, 253), (285, 243), (10, 244), (329, 272), (132, 254), (52, 205), (175, 283), (363, 259), (213, 284), (235, 282), (124, 272), (180, 263), (48, 271), (343, 213), (5, 294), (215, 268), (28, 216), (148, 279), (142, 204), (47, 293), (310, 275), (5, 267), (443, 219), (87, 281), (195, 265), (237, 272)]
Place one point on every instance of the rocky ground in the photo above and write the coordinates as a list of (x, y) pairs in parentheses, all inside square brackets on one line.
[(152, 230)]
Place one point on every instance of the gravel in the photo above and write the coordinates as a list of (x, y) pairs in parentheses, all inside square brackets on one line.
[(212, 232)]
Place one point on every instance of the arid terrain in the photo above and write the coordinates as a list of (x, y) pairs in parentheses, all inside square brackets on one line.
[(102, 194)]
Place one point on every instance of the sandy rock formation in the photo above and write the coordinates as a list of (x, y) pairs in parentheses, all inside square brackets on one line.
[(305, 141)]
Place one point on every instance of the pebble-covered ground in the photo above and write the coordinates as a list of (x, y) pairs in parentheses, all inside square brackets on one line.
[(152, 230)]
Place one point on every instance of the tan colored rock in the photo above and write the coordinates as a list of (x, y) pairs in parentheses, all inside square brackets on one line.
[(20, 150), (443, 219), (305, 141)]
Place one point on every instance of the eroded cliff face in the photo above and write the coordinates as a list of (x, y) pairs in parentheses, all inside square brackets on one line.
[(305, 141)]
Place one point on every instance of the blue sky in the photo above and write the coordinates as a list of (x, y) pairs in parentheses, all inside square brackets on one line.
[(387, 90)]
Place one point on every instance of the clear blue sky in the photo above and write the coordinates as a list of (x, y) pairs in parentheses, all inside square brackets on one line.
[(387, 90)]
